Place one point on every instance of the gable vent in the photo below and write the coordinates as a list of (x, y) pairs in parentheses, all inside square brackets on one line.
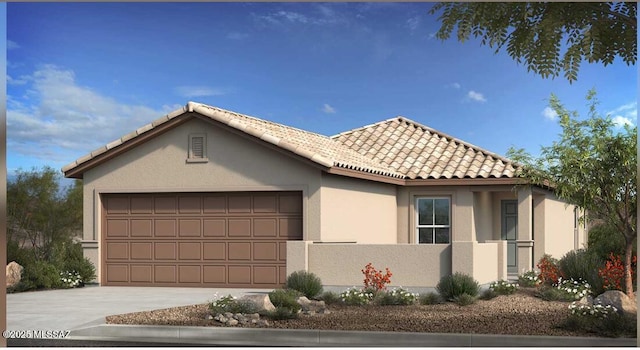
[(197, 147)]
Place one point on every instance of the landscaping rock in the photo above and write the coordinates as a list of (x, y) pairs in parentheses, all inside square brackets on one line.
[(586, 300), (311, 307), (232, 322), (261, 301), (619, 300), (13, 273)]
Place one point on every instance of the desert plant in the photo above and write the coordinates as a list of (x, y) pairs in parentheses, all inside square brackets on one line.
[(285, 298), (549, 271), (305, 282), (451, 286), (356, 296), (39, 275), (374, 278), (464, 299), (281, 313), (582, 265), (397, 296), (503, 287), (330, 297), (431, 298), (529, 279), (488, 294), (231, 304), (612, 273), (599, 319)]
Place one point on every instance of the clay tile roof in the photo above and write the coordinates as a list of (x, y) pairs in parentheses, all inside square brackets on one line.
[(396, 148), (438, 155)]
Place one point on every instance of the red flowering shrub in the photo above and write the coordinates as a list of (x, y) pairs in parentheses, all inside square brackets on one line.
[(613, 272), (374, 278), (549, 271)]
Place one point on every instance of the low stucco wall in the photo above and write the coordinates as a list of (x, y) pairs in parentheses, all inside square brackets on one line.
[(412, 265), (559, 227), (486, 262)]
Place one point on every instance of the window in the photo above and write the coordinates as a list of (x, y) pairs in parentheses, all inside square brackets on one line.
[(197, 148), (433, 220)]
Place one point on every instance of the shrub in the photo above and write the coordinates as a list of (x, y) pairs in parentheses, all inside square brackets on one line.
[(612, 273), (70, 279), (503, 287), (549, 272), (457, 284), (529, 279), (39, 275), (356, 296), (565, 290), (305, 282), (374, 278), (488, 294), (330, 297), (464, 299), (229, 303), (431, 298), (285, 298), (397, 296), (582, 265), (281, 313), (605, 239), (602, 320)]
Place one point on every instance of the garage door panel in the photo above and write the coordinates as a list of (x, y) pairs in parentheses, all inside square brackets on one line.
[(190, 274), (117, 228), (239, 274), (141, 205), (199, 239), (141, 273), (189, 251), (165, 251), (141, 228), (118, 250), (214, 228), (239, 227), (165, 273), (189, 228), (165, 228), (141, 251), (214, 251)]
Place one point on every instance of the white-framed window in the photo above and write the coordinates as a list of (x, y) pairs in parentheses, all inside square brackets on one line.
[(197, 148), (433, 220)]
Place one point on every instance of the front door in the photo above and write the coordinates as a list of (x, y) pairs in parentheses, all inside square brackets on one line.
[(509, 218)]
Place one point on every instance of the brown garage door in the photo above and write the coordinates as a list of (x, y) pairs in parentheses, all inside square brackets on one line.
[(203, 240)]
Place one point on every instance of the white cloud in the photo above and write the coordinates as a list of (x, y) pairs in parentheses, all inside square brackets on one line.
[(198, 91), (453, 86), (413, 23), (476, 96), (620, 121), (19, 81), (12, 45), (549, 113), (626, 114), (322, 14), (328, 109), (68, 120)]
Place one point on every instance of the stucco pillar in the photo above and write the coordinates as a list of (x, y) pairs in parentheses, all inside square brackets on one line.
[(463, 223), (525, 232), (297, 256), (90, 251), (462, 257)]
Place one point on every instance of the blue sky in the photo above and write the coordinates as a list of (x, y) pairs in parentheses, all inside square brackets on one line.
[(83, 74)]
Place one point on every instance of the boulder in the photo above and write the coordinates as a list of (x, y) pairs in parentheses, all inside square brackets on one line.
[(311, 307), (262, 301), (619, 300), (14, 274), (586, 300)]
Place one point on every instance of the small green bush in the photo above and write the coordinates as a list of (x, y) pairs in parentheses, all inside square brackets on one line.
[(549, 293), (488, 294), (457, 284), (529, 279), (281, 313), (305, 282), (431, 298), (503, 287), (356, 296), (231, 304), (582, 265), (601, 320), (397, 296), (39, 275), (285, 298), (330, 297), (464, 299)]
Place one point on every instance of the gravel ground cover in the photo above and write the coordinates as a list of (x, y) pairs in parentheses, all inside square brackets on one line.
[(517, 314)]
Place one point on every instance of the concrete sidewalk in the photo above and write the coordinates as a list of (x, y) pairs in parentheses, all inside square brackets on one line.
[(67, 309), (83, 312)]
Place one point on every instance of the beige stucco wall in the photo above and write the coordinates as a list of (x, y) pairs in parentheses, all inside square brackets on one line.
[(357, 211), (412, 265), (558, 226), (482, 214), (235, 164)]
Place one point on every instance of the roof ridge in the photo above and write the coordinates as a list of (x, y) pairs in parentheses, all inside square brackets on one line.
[(457, 140), (364, 127)]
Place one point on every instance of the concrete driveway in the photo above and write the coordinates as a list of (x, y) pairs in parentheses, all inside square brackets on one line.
[(68, 309)]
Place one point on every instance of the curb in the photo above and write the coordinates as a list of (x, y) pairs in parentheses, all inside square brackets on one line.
[(228, 336)]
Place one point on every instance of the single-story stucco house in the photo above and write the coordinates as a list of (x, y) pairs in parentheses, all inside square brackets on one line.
[(206, 197)]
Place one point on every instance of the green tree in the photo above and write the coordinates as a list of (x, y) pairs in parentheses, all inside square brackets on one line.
[(594, 166), (40, 214), (534, 32)]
